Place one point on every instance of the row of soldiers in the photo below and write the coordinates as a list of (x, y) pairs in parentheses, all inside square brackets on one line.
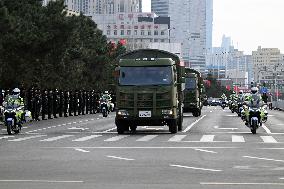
[(53, 103)]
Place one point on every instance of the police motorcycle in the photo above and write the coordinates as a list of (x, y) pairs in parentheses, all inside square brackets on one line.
[(223, 104), (104, 108), (13, 118), (254, 115)]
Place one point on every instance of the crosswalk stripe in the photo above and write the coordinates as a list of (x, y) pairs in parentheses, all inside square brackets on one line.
[(116, 138), (86, 138), (177, 138), (236, 138), (55, 138), (207, 138), (268, 139), (6, 137), (147, 138), (26, 138)]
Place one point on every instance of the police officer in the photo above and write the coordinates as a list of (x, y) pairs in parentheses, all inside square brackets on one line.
[(36, 105), (55, 103), (44, 106), (61, 103), (80, 99), (75, 103), (65, 103), (83, 106), (71, 103), (50, 104), (87, 102)]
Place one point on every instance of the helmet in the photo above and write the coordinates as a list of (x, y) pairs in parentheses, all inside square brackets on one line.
[(241, 92), (16, 91), (234, 92), (254, 90), (106, 92)]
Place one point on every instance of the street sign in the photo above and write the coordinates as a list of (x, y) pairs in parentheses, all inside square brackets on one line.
[(263, 90)]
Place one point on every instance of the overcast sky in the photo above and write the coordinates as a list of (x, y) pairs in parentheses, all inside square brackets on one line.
[(250, 23)]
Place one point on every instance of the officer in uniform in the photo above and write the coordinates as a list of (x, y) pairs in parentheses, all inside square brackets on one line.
[(75, 103), (55, 103), (83, 102), (61, 103), (31, 102), (87, 102), (44, 100), (50, 104), (80, 99), (65, 103), (71, 103), (36, 104)]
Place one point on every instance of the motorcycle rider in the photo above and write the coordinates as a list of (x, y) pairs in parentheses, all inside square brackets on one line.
[(16, 99), (223, 100), (106, 97), (254, 100)]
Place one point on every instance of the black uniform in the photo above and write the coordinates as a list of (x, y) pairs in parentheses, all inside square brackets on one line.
[(50, 104), (75, 103), (44, 102), (55, 103), (61, 103), (36, 104), (71, 103), (66, 103)]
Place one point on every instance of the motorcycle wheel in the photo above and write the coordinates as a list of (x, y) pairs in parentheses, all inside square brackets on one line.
[(9, 128), (254, 127), (104, 113), (253, 131)]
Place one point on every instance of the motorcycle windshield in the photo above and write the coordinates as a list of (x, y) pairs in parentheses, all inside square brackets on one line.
[(12, 106)]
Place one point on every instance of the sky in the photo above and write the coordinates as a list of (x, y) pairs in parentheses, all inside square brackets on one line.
[(250, 23)]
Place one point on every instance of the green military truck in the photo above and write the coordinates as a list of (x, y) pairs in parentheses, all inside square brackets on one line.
[(193, 100), (149, 90)]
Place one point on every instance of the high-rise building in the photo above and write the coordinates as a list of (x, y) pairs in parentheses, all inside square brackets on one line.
[(191, 25), (160, 7)]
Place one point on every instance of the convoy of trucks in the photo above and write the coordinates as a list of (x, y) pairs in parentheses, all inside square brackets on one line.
[(153, 89)]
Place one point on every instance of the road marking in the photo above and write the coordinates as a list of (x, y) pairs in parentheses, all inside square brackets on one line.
[(86, 138), (121, 158), (78, 128), (69, 123), (207, 138), (92, 119), (4, 137), (201, 150), (142, 147), (116, 138), (62, 124), (217, 127), (24, 127), (236, 138), (109, 130), (266, 129), (54, 126), (55, 138), (268, 139), (49, 181), (191, 125), (146, 138), (267, 159), (26, 138), (231, 115), (196, 168), (281, 178), (81, 150), (86, 120), (224, 183), (74, 122), (177, 138), (98, 118)]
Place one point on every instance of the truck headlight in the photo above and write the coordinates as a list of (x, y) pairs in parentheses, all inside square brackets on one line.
[(167, 112), (122, 113)]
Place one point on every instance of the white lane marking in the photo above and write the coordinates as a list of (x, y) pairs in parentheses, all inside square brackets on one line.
[(74, 122), (217, 127), (146, 138), (196, 168), (268, 139), (39, 129), (62, 124), (121, 158), (191, 125), (55, 138), (81, 150), (49, 127), (207, 138), (49, 181), (281, 178), (109, 130), (231, 115), (80, 121), (43, 128), (54, 126), (98, 118), (25, 127), (92, 119), (69, 123), (86, 120), (208, 151), (236, 138), (211, 111), (116, 138), (177, 138), (4, 137), (86, 138), (270, 115), (78, 128), (224, 183), (267, 159), (266, 129), (26, 138)]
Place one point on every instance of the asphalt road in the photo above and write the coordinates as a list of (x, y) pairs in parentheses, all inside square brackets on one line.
[(215, 150)]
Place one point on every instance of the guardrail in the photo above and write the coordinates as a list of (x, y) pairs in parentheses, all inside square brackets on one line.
[(278, 105)]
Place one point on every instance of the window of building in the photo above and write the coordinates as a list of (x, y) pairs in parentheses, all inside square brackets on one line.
[(156, 32), (135, 32), (149, 32), (108, 32), (155, 40), (115, 32), (142, 32), (121, 32), (162, 40), (162, 33), (128, 32)]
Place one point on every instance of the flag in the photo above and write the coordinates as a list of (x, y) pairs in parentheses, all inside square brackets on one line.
[(228, 87), (122, 41)]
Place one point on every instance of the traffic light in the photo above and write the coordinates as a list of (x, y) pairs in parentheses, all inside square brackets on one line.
[(251, 84)]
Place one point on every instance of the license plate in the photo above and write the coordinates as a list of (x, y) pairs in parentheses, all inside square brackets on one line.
[(144, 113)]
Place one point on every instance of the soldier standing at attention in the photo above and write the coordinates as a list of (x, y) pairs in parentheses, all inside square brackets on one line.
[(65, 103), (44, 100), (50, 104), (61, 103), (55, 103), (71, 103)]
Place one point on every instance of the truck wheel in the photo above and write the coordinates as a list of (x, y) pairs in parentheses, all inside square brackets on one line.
[(133, 128), (173, 127), (195, 113), (119, 126)]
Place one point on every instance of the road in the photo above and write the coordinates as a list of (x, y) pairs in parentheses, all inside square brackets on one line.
[(215, 150)]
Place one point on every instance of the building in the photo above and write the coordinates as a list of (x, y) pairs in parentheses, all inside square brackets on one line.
[(209, 24), (138, 30), (160, 7)]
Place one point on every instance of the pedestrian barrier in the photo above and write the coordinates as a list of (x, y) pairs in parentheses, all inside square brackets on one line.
[(278, 105)]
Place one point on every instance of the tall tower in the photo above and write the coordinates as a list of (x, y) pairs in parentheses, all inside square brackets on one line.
[(160, 7), (209, 25)]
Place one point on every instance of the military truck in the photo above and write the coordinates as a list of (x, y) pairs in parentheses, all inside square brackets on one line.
[(193, 93), (149, 90)]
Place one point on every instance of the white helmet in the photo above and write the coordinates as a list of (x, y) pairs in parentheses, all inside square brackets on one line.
[(241, 92), (16, 91), (106, 92), (254, 90)]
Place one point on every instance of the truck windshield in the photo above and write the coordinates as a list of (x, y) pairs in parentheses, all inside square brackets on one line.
[(190, 83), (146, 75)]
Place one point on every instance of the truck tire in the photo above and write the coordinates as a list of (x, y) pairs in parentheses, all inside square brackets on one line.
[(195, 113), (173, 127), (120, 127), (180, 120)]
